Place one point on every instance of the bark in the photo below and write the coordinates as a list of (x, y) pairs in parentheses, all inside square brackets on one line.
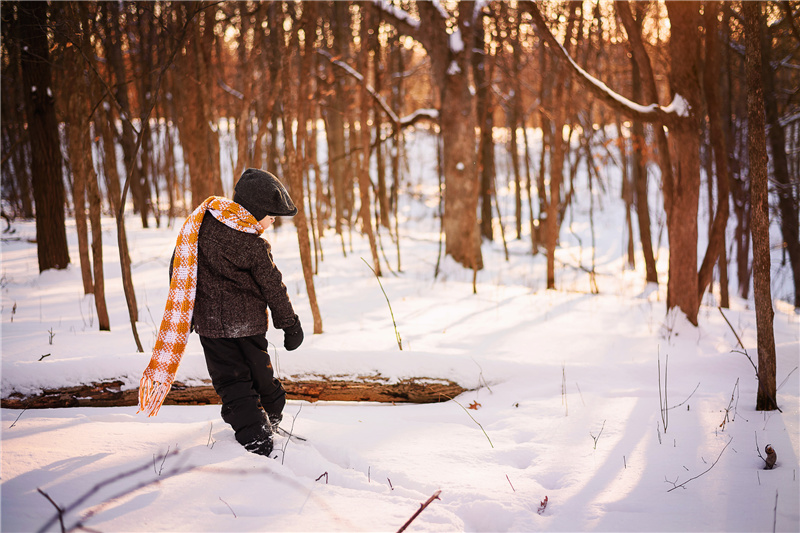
[(48, 180), (364, 182), (318, 388), (334, 119), (682, 290), (716, 238), (481, 71), (638, 168), (78, 145), (766, 399), (113, 46), (458, 121), (293, 169), (787, 204)]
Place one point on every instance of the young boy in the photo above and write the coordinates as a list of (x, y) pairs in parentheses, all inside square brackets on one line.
[(235, 280)]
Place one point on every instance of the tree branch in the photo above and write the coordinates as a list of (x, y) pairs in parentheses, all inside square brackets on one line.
[(652, 113), (421, 508), (705, 471)]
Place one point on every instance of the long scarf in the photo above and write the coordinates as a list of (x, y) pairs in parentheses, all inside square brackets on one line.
[(176, 323)]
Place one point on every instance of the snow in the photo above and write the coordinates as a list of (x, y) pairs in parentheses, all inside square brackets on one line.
[(388, 7), (453, 68), (679, 105), (456, 42), (566, 386)]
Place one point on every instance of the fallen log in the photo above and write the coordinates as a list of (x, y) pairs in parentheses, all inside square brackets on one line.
[(320, 388)]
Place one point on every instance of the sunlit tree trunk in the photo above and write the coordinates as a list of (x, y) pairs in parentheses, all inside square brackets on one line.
[(682, 195), (757, 149), (293, 164), (716, 238)]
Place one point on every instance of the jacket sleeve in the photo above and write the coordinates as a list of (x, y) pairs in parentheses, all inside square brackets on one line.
[(270, 281)]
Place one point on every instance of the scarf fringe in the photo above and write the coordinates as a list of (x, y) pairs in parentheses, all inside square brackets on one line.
[(152, 395)]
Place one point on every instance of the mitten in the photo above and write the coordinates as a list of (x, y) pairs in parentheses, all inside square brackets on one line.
[(293, 335)]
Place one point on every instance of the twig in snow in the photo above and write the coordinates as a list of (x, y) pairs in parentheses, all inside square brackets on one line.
[(422, 507), (128, 490), (662, 403), (598, 435), (687, 399), (564, 389), (738, 340), (731, 405), (59, 510), (210, 440), (775, 513), (580, 393), (390, 483), (323, 475), (229, 507), (509, 482), (473, 419), (396, 333), (786, 379), (43, 356), (481, 378), (291, 432), (18, 417), (744, 351), (683, 485)]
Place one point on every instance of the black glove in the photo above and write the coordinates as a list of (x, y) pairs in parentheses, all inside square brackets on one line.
[(293, 335)]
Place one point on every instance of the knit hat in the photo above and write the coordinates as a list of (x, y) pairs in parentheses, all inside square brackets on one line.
[(263, 195)]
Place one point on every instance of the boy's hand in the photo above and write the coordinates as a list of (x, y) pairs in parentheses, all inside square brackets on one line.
[(293, 336)]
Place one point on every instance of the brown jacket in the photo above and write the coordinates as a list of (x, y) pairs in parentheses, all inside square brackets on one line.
[(236, 282)]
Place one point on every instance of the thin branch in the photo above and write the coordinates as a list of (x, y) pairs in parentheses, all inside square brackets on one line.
[(687, 399), (97, 487), (473, 419), (396, 333), (421, 508), (58, 509), (705, 471), (738, 340)]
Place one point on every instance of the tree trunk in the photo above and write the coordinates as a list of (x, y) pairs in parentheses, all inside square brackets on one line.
[(716, 238), (683, 193), (292, 168), (364, 182), (78, 146), (643, 83), (787, 204), (113, 44), (481, 71), (757, 150), (48, 181)]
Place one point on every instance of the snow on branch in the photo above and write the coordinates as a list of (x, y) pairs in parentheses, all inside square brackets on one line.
[(397, 122), (420, 114), (387, 7), (679, 108)]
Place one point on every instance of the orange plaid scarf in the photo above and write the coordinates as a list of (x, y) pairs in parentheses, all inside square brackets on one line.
[(174, 331)]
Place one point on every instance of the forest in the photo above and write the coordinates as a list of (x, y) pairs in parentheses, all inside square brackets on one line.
[(546, 256), (115, 107)]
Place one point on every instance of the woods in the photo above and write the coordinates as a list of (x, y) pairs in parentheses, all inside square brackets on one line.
[(150, 107)]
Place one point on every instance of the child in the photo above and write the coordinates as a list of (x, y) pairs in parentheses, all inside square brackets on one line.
[(222, 281)]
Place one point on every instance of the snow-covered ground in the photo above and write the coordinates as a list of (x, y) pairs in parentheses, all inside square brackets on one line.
[(565, 400)]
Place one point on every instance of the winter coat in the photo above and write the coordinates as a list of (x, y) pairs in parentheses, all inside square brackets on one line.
[(236, 281)]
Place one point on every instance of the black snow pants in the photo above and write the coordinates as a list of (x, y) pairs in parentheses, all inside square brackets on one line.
[(242, 375)]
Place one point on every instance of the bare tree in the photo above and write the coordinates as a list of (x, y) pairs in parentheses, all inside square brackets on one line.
[(757, 149), (48, 180)]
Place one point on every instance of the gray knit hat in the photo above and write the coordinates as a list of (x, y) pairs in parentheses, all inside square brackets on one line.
[(263, 195)]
